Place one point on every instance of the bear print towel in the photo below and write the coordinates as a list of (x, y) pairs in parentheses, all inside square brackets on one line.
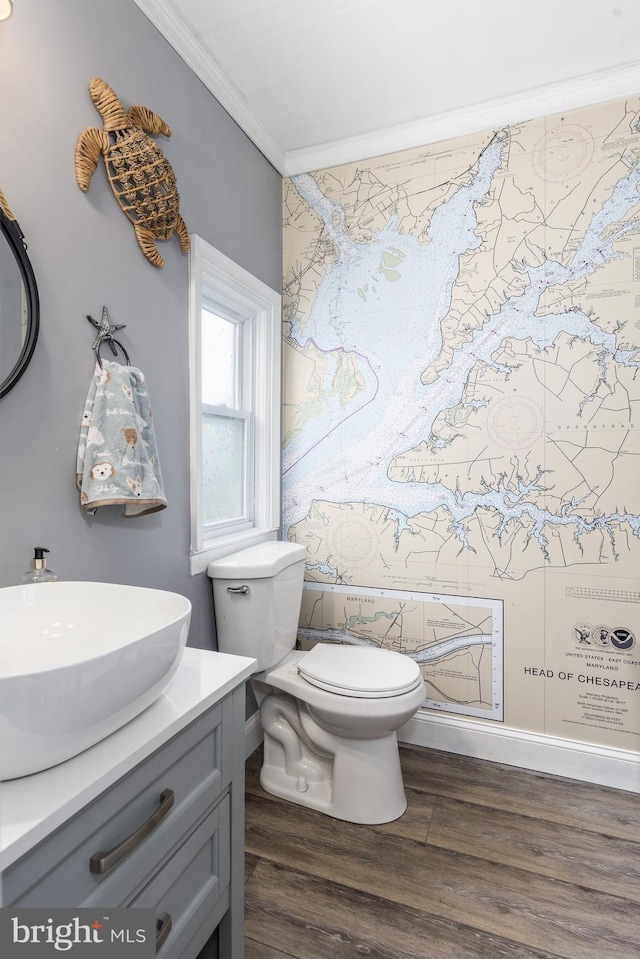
[(117, 457)]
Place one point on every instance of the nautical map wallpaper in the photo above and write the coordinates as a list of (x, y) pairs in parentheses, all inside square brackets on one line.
[(462, 416)]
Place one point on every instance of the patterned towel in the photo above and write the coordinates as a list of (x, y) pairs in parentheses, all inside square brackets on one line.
[(117, 457)]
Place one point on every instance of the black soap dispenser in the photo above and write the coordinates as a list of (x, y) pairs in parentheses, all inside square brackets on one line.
[(39, 572)]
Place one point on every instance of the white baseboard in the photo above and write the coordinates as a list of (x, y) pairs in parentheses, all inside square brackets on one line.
[(618, 768), (252, 734)]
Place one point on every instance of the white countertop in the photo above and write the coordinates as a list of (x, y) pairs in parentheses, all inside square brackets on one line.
[(33, 806)]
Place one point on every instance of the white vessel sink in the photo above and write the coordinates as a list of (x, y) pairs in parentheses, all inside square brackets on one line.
[(77, 662)]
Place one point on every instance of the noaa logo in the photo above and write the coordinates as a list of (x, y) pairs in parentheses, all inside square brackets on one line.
[(622, 639)]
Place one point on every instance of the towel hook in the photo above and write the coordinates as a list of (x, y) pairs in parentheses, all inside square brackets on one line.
[(105, 335), (113, 343)]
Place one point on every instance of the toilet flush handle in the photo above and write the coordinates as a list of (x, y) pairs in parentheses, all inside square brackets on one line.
[(242, 590)]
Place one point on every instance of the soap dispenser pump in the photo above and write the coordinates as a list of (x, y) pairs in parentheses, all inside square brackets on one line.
[(39, 572)]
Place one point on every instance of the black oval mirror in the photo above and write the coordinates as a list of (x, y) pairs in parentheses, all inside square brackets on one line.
[(19, 304)]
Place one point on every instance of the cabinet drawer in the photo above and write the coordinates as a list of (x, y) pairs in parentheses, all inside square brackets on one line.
[(57, 872), (192, 888)]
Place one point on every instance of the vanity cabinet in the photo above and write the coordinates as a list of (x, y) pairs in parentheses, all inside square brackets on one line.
[(166, 834)]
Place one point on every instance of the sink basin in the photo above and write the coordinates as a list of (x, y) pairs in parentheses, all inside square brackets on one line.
[(77, 662)]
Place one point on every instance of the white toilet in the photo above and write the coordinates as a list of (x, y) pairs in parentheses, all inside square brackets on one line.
[(329, 715)]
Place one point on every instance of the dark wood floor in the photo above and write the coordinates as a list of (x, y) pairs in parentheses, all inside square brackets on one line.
[(488, 862)]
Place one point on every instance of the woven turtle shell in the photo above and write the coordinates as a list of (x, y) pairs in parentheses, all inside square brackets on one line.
[(143, 182), (141, 177)]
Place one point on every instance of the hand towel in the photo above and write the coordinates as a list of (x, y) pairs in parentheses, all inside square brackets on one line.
[(117, 456)]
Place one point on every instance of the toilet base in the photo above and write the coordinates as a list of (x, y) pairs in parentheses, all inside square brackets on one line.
[(356, 780)]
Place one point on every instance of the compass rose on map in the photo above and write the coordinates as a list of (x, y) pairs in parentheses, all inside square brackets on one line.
[(515, 423), (563, 152), (353, 542)]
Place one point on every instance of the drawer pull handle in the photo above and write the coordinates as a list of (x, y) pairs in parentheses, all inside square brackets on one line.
[(102, 862), (163, 928)]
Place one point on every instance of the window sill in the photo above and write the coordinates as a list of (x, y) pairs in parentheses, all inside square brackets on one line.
[(223, 545)]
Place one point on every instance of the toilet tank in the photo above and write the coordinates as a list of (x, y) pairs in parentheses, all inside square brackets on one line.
[(257, 594)]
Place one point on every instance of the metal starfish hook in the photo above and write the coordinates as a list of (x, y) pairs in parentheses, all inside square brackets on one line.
[(105, 330)]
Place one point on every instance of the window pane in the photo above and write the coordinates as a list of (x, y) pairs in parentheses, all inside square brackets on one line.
[(223, 457), (219, 360)]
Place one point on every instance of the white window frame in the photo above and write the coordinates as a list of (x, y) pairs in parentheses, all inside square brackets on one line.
[(214, 277)]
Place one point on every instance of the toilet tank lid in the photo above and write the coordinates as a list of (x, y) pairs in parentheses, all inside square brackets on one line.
[(257, 562)]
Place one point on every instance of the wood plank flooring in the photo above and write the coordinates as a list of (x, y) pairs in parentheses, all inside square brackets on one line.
[(488, 862)]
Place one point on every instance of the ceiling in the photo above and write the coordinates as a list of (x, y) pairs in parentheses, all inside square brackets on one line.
[(320, 82)]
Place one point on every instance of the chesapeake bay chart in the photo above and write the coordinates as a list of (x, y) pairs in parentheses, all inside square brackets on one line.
[(456, 642), (462, 390)]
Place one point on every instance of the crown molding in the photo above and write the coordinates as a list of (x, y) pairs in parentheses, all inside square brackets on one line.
[(164, 16), (505, 111)]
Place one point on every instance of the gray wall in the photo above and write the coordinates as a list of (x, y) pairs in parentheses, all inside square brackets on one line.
[(84, 253)]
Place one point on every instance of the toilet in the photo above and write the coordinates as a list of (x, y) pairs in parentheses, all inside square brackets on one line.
[(330, 714)]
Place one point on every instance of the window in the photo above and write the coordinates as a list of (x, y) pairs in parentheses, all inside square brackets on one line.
[(227, 419), (235, 332)]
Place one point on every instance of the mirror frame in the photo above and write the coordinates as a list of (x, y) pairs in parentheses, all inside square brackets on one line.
[(15, 238)]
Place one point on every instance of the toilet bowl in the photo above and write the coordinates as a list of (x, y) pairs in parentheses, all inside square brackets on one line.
[(336, 750), (329, 715)]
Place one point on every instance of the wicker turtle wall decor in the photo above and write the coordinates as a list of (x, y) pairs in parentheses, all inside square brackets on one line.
[(6, 209), (142, 179)]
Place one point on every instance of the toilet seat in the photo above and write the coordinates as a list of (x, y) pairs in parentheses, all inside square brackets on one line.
[(363, 672)]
